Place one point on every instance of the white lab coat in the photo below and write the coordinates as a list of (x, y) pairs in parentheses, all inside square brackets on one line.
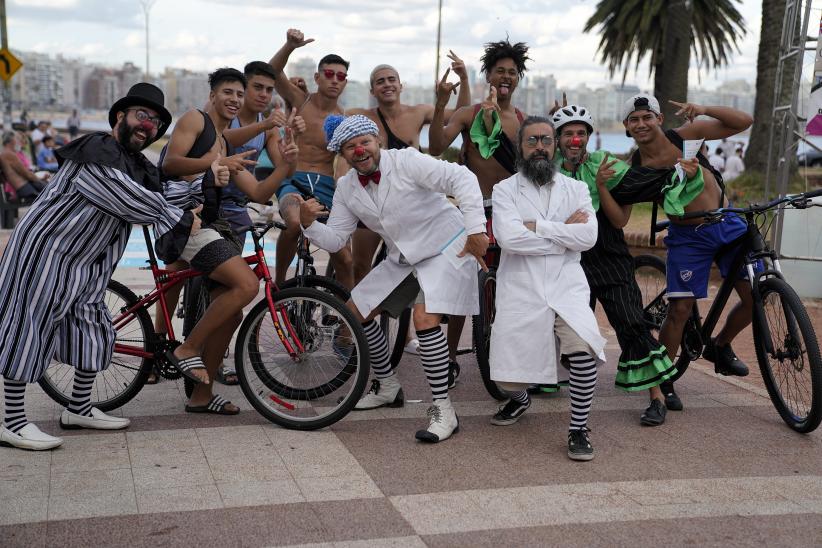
[(416, 221), (540, 277)]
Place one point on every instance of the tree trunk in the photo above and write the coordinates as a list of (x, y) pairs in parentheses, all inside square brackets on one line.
[(770, 36), (673, 61)]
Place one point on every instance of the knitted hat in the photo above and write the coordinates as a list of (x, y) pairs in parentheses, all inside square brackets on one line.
[(348, 128)]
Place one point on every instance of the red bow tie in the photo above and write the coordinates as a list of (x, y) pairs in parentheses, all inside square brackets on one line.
[(374, 177)]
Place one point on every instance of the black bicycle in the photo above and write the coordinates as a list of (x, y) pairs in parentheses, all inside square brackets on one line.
[(787, 349)]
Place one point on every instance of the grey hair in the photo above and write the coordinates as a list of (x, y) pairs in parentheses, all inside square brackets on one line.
[(379, 68), (8, 137), (530, 121)]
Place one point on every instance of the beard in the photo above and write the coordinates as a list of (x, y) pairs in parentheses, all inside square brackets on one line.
[(537, 168), (124, 136)]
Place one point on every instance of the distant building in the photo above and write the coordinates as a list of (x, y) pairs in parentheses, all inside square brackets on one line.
[(184, 89), (305, 67)]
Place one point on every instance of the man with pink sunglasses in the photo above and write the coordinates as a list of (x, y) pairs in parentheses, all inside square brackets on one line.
[(315, 169)]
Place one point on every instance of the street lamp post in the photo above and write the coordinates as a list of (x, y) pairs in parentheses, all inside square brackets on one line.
[(439, 40), (147, 5)]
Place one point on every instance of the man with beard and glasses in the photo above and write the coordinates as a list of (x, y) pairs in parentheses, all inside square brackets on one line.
[(59, 260), (543, 220), (401, 195)]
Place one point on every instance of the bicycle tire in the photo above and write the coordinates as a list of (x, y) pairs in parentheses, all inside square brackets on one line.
[(649, 273), (264, 381), (316, 281), (481, 332), (125, 375), (396, 332), (791, 321)]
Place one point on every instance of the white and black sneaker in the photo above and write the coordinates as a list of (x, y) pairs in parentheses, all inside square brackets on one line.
[(579, 446), (510, 412)]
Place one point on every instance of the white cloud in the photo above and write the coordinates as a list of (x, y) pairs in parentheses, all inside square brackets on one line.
[(45, 3)]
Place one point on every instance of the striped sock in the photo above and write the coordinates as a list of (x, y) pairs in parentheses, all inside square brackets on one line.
[(80, 403), (434, 356), (378, 348), (520, 397), (582, 383), (15, 415)]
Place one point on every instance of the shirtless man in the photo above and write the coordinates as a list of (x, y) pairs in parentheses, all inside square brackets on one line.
[(503, 64), (25, 183), (315, 168), (691, 243)]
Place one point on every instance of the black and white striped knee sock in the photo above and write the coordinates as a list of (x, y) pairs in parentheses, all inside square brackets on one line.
[(520, 397), (378, 348), (434, 356), (583, 373), (15, 414), (80, 403)]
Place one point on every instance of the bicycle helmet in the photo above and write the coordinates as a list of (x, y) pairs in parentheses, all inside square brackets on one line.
[(573, 113)]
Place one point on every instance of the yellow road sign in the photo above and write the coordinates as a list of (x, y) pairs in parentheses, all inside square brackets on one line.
[(9, 64)]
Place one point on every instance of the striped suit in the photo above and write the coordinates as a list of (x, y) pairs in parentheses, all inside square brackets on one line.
[(61, 256)]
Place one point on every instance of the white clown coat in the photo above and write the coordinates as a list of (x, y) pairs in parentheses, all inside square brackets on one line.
[(416, 221), (540, 277)]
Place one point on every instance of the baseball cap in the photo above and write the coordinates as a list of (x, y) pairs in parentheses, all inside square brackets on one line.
[(642, 101)]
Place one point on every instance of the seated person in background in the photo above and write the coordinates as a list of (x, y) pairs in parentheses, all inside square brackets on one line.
[(25, 183), (45, 156)]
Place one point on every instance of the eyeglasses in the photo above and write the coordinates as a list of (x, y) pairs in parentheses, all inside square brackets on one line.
[(329, 74), (143, 116), (546, 140)]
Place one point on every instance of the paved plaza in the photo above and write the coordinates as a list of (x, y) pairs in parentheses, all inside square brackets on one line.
[(726, 471)]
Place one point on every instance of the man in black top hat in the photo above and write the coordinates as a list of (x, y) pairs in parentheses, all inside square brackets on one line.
[(60, 258)]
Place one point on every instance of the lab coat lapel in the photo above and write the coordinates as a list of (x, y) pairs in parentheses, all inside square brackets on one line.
[(531, 193)]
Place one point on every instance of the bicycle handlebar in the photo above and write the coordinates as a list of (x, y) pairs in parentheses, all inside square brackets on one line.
[(799, 201)]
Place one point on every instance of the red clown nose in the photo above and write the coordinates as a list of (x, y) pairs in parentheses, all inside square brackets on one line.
[(146, 126), (576, 141), (359, 151)]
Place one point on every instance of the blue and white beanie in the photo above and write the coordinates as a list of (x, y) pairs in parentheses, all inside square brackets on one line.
[(339, 129)]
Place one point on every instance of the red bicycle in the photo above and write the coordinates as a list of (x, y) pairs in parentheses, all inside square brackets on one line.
[(301, 356)]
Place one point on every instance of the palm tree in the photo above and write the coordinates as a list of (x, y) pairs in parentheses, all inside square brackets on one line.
[(773, 12), (666, 31)]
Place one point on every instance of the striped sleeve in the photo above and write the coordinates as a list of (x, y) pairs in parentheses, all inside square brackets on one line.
[(115, 193)]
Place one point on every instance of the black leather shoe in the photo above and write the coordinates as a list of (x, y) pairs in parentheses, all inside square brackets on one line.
[(672, 401), (725, 360)]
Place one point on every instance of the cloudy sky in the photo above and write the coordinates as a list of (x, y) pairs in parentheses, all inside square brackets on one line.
[(205, 34)]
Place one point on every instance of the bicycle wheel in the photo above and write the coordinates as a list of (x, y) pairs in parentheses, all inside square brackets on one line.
[(317, 387), (482, 331), (396, 333), (125, 375), (324, 283), (649, 272), (788, 354)]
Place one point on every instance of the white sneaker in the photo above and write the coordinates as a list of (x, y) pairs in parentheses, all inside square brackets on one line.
[(385, 392), (443, 422), (98, 420), (29, 437), (413, 347)]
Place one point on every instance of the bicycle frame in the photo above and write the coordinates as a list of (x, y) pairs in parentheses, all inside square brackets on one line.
[(166, 279)]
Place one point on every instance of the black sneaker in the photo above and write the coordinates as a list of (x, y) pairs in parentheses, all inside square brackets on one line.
[(725, 360), (672, 401), (510, 412), (579, 446), (453, 374), (654, 415)]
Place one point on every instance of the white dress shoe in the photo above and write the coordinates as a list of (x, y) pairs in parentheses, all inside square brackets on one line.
[(443, 422), (413, 347), (98, 420), (29, 437), (385, 392)]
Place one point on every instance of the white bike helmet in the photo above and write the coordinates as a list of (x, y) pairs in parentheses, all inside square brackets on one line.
[(573, 113)]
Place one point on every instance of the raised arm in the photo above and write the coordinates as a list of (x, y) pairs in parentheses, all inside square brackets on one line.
[(292, 94), (725, 121)]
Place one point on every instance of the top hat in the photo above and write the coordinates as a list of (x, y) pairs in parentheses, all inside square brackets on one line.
[(143, 94)]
